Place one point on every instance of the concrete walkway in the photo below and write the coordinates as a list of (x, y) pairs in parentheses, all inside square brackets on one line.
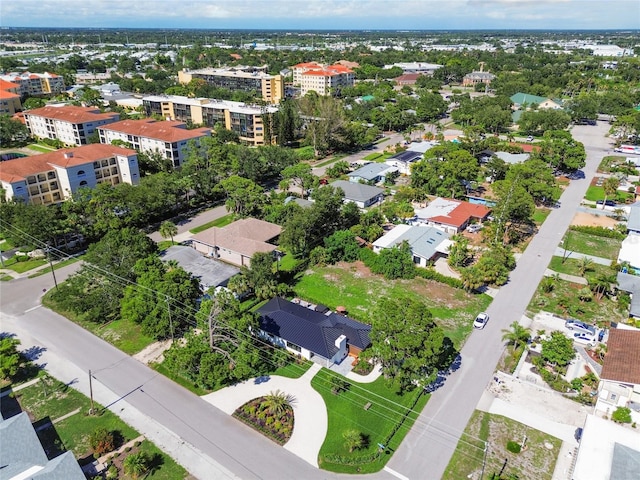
[(371, 377), (564, 276), (560, 252), (310, 412)]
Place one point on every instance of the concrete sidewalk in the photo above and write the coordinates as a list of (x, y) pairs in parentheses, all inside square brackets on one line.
[(310, 412), (561, 252)]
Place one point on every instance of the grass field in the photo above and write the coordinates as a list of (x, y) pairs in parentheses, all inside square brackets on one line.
[(535, 462), (610, 161), (355, 288), (387, 413), (591, 244), (56, 266), (597, 193), (21, 267), (540, 215), (571, 267), (220, 222)]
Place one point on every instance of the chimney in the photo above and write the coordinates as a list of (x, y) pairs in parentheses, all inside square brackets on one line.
[(341, 342)]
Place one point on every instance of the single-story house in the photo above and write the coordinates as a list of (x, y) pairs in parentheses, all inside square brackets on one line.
[(525, 100), (630, 251), (374, 172), (633, 220), (620, 378), (359, 193), (237, 242), (427, 243), (303, 202), (630, 284), (512, 158), (403, 161), (23, 457), (312, 332), (451, 215)]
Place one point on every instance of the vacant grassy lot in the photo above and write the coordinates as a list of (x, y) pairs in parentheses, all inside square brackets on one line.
[(535, 462), (611, 161), (387, 420), (353, 286), (591, 244), (563, 301), (571, 266)]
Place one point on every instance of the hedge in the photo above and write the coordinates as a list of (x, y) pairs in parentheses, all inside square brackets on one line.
[(598, 231)]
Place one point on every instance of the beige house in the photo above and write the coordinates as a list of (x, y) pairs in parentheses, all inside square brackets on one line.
[(9, 98), (237, 242)]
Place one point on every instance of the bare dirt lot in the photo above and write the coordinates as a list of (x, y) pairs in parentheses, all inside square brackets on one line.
[(594, 220)]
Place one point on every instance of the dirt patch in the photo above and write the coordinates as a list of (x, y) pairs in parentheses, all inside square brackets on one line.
[(594, 220), (358, 268), (153, 353)]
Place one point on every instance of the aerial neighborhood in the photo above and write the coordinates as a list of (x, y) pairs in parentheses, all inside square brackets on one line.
[(284, 254)]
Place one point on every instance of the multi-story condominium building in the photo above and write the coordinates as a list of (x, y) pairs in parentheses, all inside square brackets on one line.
[(168, 138), (69, 124), (54, 177), (35, 84), (246, 79), (245, 120), (322, 79), (9, 97)]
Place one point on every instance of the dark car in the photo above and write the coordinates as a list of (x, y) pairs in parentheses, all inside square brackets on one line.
[(578, 434), (608, 203)]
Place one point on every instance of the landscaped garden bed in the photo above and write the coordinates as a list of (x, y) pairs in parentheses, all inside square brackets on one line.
[(271, 415)]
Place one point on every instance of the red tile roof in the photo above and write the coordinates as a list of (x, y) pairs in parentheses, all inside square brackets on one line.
[(72, 114), (461, 214), (4, 85), (167, 131), (20, 168), (7, 94), (622, 361)]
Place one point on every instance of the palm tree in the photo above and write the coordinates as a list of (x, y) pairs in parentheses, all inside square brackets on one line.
[(168, 229), (585, 264), (136, 465), (516, 335), (353, 440), (610, 186), (601, 284), (276, 403)]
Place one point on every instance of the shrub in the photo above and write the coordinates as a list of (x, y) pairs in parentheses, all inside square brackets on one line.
[(513, 447), (101, 441), (598, 231), (339, 385), (112, 473), (576, 384), (621, 415)]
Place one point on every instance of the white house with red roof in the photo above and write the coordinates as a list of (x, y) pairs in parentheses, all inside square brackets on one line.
[(451, 215), (54, 177), (70, 124), (169, 138), (322, 79)]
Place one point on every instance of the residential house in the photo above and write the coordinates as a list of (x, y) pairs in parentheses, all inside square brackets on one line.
[(475, 78), (427, 243), (167, 138), (451, 215), (525, 101), (372, 173), (36, 84), (9, 98), (23, 457), (362, 195), (414, 152), (54, 177), (415, 67), (512, 158), (633, 219), (239, 78), (630, 251), (620, 378), (237, 242), (312, 332), (630, 284), (322, 79), (70, 124), (247, 121), (407, 79)]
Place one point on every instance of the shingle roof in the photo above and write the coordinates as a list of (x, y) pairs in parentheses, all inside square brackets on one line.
[(371, 171), (246, 236), (622, 361), (166, 131), (20, 168), (309, 329), (447, 211), (72, 114), (357, 192)]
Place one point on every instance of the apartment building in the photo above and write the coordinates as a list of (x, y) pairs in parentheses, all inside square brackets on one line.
[(9, 98), (36, 84), (54, 177), (322, 79), (168, 138), (245, 120), (70, 124), (246, 79)]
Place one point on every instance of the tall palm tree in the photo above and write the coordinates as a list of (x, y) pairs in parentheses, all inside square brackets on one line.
[(610, 186), (168, 229), (517, 335)]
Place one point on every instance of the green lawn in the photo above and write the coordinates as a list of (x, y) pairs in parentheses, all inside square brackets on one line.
[(571, 267), (40, 148), (21, 267), (591, 244), (55, 399), (56, 266), (372, 156), (611, 161), (597, 193), (295, 369), (540, 215), (288, 263), (354, 288), (220, 222), (536, 462), (386, 422)]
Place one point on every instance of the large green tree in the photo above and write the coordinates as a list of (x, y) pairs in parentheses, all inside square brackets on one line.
[(558, 349), (12, 132)]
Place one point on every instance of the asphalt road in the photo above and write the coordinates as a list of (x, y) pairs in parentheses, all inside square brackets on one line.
[(426, 451)]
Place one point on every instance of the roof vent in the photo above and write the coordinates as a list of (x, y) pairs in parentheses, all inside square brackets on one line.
[(68, 155)]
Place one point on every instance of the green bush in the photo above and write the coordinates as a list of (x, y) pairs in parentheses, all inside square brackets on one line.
[(598, 231), (431, 274), (102, 441), (621, 415), (513, 447)]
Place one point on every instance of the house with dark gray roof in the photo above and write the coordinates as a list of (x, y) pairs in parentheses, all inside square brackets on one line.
[(372, 173), (630, 284), (633, 220), (312, 332), (359, 193), (22, 455)]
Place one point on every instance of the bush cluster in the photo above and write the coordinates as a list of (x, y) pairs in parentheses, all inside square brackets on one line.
[(598, 231), (350, 459)]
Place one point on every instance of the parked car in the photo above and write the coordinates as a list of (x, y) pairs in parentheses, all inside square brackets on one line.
[(474, 227), (481, 320), (578, 434), (578, 326), (608, 203), (584, 338), (530, 138)]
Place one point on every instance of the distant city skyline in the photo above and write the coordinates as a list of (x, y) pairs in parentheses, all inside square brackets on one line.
[(325, 14)]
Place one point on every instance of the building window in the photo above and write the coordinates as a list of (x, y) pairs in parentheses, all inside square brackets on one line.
[(81, 173), (293, 346), (83, 183)]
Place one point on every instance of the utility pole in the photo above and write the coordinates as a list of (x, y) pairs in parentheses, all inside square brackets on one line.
[(169, 310), (484, 459), (53, 272), (91, 393)]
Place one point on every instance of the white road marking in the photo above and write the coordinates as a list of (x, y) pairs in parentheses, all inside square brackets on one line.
[(395, 474), (32, 309)]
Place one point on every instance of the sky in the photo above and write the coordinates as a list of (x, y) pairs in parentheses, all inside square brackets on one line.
[(325, 14)]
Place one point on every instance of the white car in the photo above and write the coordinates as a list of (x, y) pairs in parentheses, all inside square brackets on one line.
[(585, 339), (481, 320)]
